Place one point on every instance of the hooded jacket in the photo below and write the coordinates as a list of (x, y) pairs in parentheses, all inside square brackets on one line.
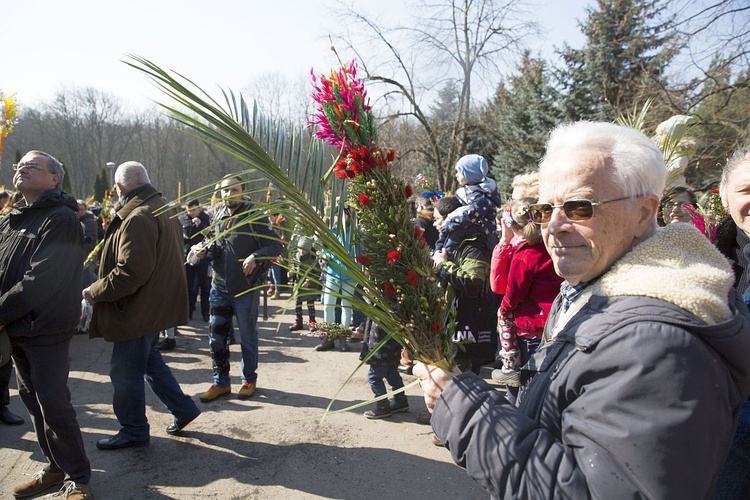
[(41, 261), (637, 395), (142, 287)]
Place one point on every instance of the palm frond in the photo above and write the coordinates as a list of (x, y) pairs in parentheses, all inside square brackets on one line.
[(244, 134)]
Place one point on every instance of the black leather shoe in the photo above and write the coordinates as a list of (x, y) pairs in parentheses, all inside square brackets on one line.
[(166, 345), (180, 423), (116, 442), (9, 418)]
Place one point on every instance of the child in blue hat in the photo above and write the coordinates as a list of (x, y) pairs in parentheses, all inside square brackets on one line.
[(480, 198)]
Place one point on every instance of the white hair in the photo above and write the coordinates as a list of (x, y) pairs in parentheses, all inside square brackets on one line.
[(637, 163), (131, 175), (739, 157)]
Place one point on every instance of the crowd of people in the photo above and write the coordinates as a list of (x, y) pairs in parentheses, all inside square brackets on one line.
[(616, 332)]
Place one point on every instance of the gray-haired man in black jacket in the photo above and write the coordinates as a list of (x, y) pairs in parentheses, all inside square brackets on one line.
[(41, 260)]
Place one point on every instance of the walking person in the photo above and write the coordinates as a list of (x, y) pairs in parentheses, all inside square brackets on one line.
[(41, 251), (141, 290), (241, 258)]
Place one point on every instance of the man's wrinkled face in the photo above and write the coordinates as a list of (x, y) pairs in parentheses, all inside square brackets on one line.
[(738, 196), (582, 250), (231, 193)]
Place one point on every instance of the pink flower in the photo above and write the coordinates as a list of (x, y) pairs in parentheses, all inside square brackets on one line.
[(342, 108)]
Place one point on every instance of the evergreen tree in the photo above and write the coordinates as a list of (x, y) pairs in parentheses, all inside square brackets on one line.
[(629, 44), (101, 184), (518, 120)]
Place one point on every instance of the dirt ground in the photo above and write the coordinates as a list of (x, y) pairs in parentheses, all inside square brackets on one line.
[(272, 446)]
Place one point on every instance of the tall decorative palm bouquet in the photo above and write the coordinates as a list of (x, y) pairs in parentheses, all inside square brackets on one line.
[(393, 267), (394, 253)]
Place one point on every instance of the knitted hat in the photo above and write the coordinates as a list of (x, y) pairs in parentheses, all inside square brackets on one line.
[(473, 167), (305, 243)]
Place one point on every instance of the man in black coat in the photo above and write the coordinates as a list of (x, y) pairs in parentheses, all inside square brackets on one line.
[(195, 224), (41, 251)]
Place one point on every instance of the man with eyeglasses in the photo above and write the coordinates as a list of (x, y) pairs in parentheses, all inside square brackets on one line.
[(41, 261), (636, 390)]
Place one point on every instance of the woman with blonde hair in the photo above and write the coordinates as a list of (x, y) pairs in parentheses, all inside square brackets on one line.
[(531, 286)]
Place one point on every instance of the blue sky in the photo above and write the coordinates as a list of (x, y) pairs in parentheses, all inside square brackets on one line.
[(51, 44)]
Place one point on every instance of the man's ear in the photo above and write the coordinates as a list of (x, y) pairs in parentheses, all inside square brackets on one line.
[(648, 207)]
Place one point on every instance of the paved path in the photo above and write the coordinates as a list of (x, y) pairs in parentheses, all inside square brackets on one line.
[(272, 446)]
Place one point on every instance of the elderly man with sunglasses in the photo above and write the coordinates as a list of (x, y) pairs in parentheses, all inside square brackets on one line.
[(636, 389)]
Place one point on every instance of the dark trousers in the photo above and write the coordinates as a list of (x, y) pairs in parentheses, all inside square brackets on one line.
[(134, 361), (6, 371), (197, 279), (375, 377), (42, 373), (734, 476)]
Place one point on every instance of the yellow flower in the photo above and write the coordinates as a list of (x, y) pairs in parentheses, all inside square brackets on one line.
[(8, 113)]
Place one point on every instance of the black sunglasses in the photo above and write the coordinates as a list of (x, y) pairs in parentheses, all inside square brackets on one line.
[(576, 209)]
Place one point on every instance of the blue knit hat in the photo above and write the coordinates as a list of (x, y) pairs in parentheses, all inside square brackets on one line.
[(473, 167)]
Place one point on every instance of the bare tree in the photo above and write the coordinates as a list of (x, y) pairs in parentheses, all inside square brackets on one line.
[(449, 41), (281, 98), (717, 44)]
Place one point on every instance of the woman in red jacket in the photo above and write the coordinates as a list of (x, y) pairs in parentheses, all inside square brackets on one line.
[(531, 286)]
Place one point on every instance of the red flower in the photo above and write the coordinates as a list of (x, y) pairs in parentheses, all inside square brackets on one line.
[(412, 278), (436, 328), (389, 290), (363, 259), (364, 200), (393, 257), (409, 192), (391, 155), (715, 191)]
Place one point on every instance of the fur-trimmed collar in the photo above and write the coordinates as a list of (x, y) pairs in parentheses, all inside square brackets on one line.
[(678, 265)]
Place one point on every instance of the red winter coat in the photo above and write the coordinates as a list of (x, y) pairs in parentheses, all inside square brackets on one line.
[(531, 287)]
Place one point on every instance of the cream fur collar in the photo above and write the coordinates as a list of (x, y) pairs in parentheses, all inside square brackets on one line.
[(678, 265)]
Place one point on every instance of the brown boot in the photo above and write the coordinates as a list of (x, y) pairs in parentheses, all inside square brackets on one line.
[(39, 482), (75, 491)]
